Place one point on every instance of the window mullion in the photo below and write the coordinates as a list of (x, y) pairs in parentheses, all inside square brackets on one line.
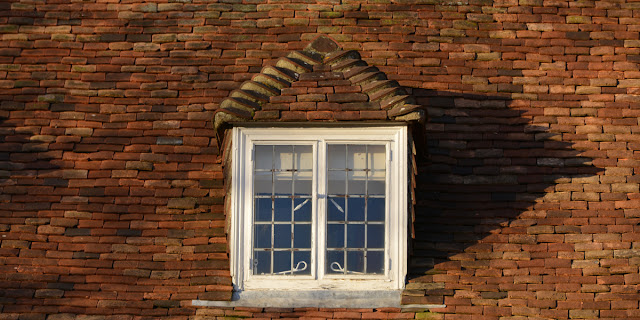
[(321, 218)]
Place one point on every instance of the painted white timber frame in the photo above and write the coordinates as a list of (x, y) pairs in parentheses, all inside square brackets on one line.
[(245, 138)]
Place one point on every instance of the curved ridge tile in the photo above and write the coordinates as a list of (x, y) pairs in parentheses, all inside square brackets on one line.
[(294, 65), (259, 88), (375, 86), (354, 71), (270, 80), (307, 57), (386, 93), (347, 64), (367, 77), (337, 56), (392, 102), (249, 95), (403, 110), (283, 74)]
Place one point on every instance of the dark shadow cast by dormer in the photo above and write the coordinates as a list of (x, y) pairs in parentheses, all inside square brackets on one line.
[(489, 176)]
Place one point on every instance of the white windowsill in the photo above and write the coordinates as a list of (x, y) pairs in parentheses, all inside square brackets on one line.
[(318, 299)]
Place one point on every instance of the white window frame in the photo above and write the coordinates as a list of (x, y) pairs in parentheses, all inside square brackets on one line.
[(241, 207)]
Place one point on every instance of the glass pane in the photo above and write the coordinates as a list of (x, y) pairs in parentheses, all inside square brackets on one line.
[(375, 209), (263, 209), (282, 209), (375, 262), (264, 156), (337, 183), (282, 236), (355, 236), (283, 157), (305, 257), (262, 236), (283, 184), (302, 209), (375, 236), (302, 236), (356, 157), (303, 158), (376, 183), (377, 156), (282, 261), (355, 209), (357, 182), (262, 183), (337, 157), (355, 261), (261, 262), (335, 262), (336, 209), (335, 236), (302, 183)]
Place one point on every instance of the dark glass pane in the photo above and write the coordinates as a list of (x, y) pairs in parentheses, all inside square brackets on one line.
[(375, 236), (375, 209), (282, 236), (355, 261), (282, 209), (281, 261), (336, 209), (355, 209), (355, 236), (302, 236), (335, 236), (302, 209), (375, 262), (261, 262), (263, 209), (262, 236), (302, 256), (335, 262)]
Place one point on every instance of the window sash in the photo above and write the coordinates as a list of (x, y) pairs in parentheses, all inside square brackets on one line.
[(394, 247)]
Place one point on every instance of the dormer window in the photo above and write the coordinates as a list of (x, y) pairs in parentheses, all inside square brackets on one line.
[(319, 208)]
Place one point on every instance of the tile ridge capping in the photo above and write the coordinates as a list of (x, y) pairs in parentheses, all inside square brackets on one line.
[(321, 51)]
